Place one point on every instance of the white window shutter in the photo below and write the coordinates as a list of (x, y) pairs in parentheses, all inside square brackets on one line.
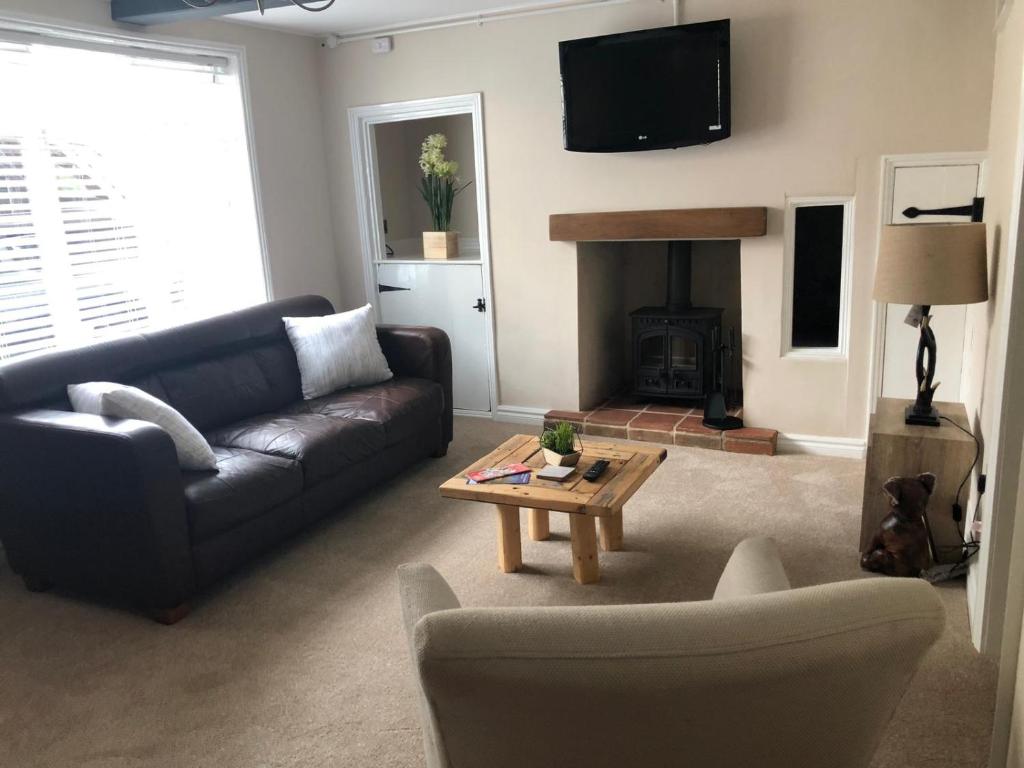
[(126, 199), (26, 324)]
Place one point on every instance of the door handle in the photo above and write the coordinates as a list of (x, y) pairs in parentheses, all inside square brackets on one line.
[(386, 288), (480, 306)]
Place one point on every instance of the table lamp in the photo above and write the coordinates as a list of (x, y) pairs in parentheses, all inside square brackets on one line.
[(926, 265)]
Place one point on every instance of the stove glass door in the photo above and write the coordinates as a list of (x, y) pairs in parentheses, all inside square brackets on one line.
[(685, 353)]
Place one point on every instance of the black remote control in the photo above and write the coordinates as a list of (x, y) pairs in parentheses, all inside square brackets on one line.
[(596, 470)]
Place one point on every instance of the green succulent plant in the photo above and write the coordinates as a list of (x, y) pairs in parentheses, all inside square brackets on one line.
[(561, 438)]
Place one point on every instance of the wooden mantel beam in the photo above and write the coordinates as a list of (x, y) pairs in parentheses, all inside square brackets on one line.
[(149, 12), (673, 224)]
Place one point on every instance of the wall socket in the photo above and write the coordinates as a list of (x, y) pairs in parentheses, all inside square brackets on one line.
[(382, 45)]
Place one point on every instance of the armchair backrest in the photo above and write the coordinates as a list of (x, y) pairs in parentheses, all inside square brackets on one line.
[(806, 677)]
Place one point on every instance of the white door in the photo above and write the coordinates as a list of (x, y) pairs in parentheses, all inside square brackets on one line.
[(445, 296), (925, 187)]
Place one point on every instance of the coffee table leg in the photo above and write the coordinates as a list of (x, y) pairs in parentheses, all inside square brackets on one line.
[(510, 548), (611, 532), (583, 531), (539, 524)]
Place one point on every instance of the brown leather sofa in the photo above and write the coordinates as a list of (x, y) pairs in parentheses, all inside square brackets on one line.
[(99, 506)]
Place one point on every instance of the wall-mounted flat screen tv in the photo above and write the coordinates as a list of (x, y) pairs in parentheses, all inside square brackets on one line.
[(654, 89)]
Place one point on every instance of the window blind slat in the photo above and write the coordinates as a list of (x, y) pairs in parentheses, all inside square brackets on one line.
[(26, 326)]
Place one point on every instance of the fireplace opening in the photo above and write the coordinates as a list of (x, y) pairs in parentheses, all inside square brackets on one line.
[(653, 317), (678, 349)]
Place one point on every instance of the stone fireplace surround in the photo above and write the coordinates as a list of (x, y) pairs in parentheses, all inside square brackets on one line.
[(619, 269)]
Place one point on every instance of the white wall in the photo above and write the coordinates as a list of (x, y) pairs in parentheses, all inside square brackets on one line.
[(288, 134), (986, 336), (994, 370), (395, 178), (1011, 683), (821, 89)]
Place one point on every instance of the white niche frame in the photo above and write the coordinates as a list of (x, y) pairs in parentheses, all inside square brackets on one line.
[(841, 351)]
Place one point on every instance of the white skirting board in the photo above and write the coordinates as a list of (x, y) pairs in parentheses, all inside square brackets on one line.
[(516, 414), (844, 447)]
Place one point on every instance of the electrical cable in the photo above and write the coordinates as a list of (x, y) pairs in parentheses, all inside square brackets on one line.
[(959, 491)]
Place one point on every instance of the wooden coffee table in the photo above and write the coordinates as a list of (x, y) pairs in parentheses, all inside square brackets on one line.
[(585, 502)]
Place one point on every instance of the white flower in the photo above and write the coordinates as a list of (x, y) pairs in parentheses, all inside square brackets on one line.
[(432, 159)]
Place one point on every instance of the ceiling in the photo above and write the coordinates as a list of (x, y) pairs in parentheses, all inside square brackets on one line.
[(353, 17)]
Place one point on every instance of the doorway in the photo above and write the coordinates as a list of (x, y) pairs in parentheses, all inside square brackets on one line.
[(404, 287)]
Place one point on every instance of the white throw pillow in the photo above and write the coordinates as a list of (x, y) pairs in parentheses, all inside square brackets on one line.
[(337, 351), (105, 398)]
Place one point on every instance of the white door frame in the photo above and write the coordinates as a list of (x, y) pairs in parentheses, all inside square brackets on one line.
[(889, 165), (361, 123)]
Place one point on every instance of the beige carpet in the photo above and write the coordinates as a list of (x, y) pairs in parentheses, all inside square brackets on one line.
[(299, 660)]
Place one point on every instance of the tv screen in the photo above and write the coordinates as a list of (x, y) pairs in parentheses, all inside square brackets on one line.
[(654, 89)]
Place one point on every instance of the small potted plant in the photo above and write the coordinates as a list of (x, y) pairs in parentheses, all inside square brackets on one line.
[(559, 444), (439, 186)]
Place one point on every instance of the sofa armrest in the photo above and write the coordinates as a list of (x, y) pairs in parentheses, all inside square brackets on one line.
[(95, 505), (422, 352), (753, 569)]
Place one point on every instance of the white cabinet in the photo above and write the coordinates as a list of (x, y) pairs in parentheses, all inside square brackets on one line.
[(450, 297)]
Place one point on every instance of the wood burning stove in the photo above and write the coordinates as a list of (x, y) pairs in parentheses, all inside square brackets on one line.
[(673, 348)]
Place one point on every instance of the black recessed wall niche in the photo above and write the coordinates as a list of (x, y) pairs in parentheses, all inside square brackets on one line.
[(817, 275)]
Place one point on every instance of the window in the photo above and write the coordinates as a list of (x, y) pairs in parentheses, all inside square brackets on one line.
[(817, 277), (126, 192)]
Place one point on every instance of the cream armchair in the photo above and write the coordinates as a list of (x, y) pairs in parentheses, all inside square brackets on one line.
[(762, 675)]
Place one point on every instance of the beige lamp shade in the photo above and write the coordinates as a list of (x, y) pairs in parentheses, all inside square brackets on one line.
[(932, 264)]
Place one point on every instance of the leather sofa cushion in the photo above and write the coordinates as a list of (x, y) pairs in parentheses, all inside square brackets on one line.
[(330, 433), (246, 485), (402, 406), (219, 391), (323, 445)]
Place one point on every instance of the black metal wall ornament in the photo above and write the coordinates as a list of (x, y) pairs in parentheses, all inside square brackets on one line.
[(975, 211)]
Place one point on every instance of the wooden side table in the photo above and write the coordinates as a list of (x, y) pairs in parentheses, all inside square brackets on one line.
[(898, 449)]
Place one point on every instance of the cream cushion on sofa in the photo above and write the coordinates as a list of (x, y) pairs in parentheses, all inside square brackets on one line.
[(337, 351), (762, 675), (106, 398)]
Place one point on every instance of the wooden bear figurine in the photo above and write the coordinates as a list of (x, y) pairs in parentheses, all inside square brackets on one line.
[(900, 548)]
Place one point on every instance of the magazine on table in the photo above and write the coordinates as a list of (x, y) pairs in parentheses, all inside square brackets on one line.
[(495, 473)]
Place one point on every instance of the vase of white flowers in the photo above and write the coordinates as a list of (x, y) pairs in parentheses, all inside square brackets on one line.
[(439, 187)]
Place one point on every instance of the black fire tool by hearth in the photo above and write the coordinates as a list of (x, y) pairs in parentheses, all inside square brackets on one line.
[(716, 406)]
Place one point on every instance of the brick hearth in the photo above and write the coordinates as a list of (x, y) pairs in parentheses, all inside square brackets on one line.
[(668, 424)]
